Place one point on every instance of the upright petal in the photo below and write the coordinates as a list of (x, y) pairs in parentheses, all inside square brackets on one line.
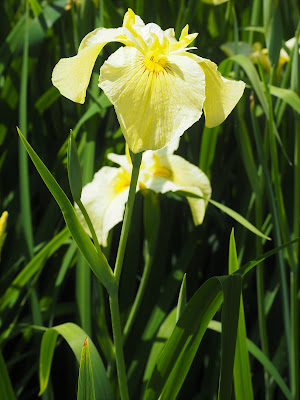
[(71, 75), (155, 106), (104, 199), (221, 94)]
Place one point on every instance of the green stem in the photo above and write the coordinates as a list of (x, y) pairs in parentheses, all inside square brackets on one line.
[(136, 162), (23, 158), (256, 12), (113, 295), (118, 342), (138, 299)]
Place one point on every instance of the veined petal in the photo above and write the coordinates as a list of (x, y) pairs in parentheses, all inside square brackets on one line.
[(104, 199), (153, 107), (174, 173), (71, 75), (221, 94)]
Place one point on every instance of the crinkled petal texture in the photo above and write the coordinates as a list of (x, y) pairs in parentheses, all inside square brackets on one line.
[(104, 199), (72, 75), (173, 173), (221, 94), (153, 108)]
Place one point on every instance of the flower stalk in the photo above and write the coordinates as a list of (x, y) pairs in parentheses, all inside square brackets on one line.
[(136, 163), (113, 298)]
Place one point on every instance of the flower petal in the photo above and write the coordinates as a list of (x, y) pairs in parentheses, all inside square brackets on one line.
[(153, 108), (221, 94), (104, 199), (71, 75), (174, 173)]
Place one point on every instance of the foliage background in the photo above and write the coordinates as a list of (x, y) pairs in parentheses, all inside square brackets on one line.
[(62, 289)]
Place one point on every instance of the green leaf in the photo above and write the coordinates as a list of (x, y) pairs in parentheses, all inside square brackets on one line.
[(6, 389), (179, 351), (160, 339), (74, 336), (241, 220), (261, 357), (251, 264), (36, 8), (97, 262), (74, 169), (233, 214), (273, 29), (181, 299), (37, 27), (241, 372), (232, 289), (257, 85), (34, 266), (288, 95), (47, 99), (86, 390)]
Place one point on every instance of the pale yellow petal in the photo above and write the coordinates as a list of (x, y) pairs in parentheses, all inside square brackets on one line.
[(153, 108), (174, 173), (104, 199), (222, 94), (71, 75)]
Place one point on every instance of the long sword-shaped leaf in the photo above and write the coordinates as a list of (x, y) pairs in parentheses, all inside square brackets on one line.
[(261, 357), (75, 337), (97, 261), (32, 268), (241, 372), (179, 351)]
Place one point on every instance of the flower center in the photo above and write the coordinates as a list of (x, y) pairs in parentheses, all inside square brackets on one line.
[(122, 180), (156, 63)]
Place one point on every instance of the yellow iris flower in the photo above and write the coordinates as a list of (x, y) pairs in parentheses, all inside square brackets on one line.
[(158, 89), (161, 171)]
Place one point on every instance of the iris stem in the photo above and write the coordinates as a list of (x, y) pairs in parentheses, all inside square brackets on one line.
[(139, 297), (136, 163), (114, 295)]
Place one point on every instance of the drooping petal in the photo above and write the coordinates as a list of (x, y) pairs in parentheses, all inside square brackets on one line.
[(71, 75), (104, 199), (221, 94), (174, 173), (153, 107)]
